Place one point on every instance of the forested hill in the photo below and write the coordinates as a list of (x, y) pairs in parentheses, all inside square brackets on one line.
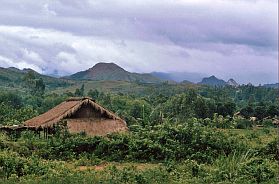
[(13, 78)]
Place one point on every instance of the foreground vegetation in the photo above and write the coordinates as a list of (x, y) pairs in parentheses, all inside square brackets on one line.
[(178, 134), (181, 153)]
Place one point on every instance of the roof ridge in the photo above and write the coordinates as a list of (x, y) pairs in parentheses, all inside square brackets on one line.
[(79, 99)]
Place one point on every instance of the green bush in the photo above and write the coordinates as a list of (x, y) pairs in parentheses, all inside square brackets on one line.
[(243, 124), (270, 150), (158, 143), (11, 163), (267, 123)]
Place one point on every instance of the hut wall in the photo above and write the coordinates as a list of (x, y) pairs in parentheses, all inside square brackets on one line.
[(87, 111), (95, 127)]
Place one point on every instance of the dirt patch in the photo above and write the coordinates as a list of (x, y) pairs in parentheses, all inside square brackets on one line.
[(96, 167), (101, 167)]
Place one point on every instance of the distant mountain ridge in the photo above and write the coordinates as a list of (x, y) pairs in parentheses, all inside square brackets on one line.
[(275, 86), (113, 72), (179, 76), (214, 81), (232, 82)]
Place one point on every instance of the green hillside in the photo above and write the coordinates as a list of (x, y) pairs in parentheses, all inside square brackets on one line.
[(13, 78)]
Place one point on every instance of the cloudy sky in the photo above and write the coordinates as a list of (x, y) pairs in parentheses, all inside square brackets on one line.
[(227, 38)]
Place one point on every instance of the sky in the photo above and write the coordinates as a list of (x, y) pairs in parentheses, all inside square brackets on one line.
[(226, 38)]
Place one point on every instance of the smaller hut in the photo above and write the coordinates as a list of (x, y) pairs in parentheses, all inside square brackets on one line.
[(81, 115)]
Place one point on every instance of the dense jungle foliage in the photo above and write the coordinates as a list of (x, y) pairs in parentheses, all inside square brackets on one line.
[(178, 134)]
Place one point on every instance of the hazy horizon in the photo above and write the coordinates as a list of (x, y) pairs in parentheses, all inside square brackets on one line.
[(228, 39)]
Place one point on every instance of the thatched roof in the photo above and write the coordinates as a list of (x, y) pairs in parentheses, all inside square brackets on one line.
[(66, 109)]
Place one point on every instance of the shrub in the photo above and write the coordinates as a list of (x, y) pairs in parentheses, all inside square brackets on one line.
[(267, 123), (157, 143), (228, 167), (243, 124), (271, 150), (257, 170), (11, 163)]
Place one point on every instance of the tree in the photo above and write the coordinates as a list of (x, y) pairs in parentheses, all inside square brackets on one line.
[(29, 76), (35, 86), (260, 112), (93, 94), (80, 92), (180, 106), (12, 98), (272, 110), (139, 109), (229, 108), (247, 111), (201, 108), (39, 88)]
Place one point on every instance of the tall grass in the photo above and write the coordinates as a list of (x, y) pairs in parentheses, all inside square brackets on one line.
[(229, 167)]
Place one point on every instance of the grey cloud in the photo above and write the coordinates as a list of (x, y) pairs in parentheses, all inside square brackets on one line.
[(143, 36)]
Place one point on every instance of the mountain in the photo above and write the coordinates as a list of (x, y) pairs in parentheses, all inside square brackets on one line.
[(13, 77), (275, 86), (186, 82), (212, 81), (179, 76), (188, 78), (232, 82), (112, 72)]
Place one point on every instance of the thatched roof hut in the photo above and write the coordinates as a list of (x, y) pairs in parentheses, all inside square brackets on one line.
[(81, 115)]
